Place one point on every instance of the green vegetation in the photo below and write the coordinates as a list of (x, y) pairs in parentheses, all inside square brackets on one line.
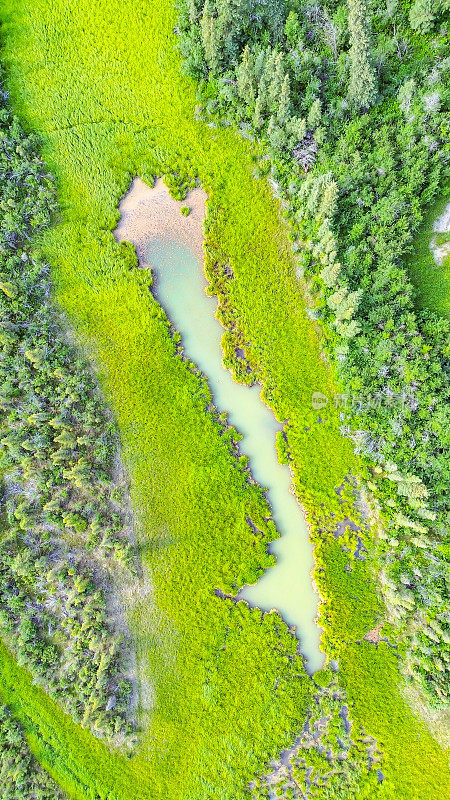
[(223, 688), (57, 447), (21, 778), (329, 758), (201, 657), (354, 188), (362, 87), (431, 281)]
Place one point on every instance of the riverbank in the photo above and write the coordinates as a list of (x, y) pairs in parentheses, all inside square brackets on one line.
[(440, 243), (149, 212), (171, 245)]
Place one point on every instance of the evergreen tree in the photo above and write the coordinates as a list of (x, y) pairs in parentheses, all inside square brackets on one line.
[(192, 11), (284, 101), (327, 206), (274, 18), (264, 65), (292, 29), (314, 114), (260, 60), (210, 37), (244, 75), (257, 114), (363, 84), (296, 126), (274, 74)]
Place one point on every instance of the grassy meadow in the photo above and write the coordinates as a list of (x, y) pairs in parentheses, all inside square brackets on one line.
[(101, 84)]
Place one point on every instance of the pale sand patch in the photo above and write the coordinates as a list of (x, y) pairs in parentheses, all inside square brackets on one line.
[(149, 213), (374, 636), (441, 225)]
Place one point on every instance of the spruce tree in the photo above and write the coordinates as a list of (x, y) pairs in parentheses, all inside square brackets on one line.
[(210, 37), (257, 114), (244, 74), (284, 102), (314, 114), (421, 16), (260, 60), (362, 88), (274, 74)]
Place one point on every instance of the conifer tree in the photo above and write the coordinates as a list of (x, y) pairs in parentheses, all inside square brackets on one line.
[(244, 74), (192, 11), (421, 16), (363, 84), (296, 127), (284, 101), (327, 206), (314, 114), (257, 114), (264, 65), (260, 60), (210, 37), (274, 72), (292, 29)]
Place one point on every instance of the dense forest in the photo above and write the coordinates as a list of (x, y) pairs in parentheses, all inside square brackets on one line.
[(350, 103), (64, 509)]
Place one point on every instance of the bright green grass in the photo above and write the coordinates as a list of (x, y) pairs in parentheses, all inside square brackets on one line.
[(102, 84), (432, 281)]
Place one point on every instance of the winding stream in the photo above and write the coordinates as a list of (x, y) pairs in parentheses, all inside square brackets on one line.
[(179, 286)]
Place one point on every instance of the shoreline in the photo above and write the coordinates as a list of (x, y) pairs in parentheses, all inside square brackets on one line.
[(147, 213)]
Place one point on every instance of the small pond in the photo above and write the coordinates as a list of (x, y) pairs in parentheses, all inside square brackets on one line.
[(180, 289)]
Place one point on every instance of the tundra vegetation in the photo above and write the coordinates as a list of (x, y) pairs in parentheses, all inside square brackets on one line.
[(226, 691), (329, 759)]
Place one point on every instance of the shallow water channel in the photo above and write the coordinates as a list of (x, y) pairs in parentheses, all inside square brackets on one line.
[(180, 289)]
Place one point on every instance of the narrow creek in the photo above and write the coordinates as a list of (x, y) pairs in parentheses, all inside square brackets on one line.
[(179, 286)]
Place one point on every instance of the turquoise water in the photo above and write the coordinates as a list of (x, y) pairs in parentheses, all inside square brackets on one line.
[(180, 289)]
